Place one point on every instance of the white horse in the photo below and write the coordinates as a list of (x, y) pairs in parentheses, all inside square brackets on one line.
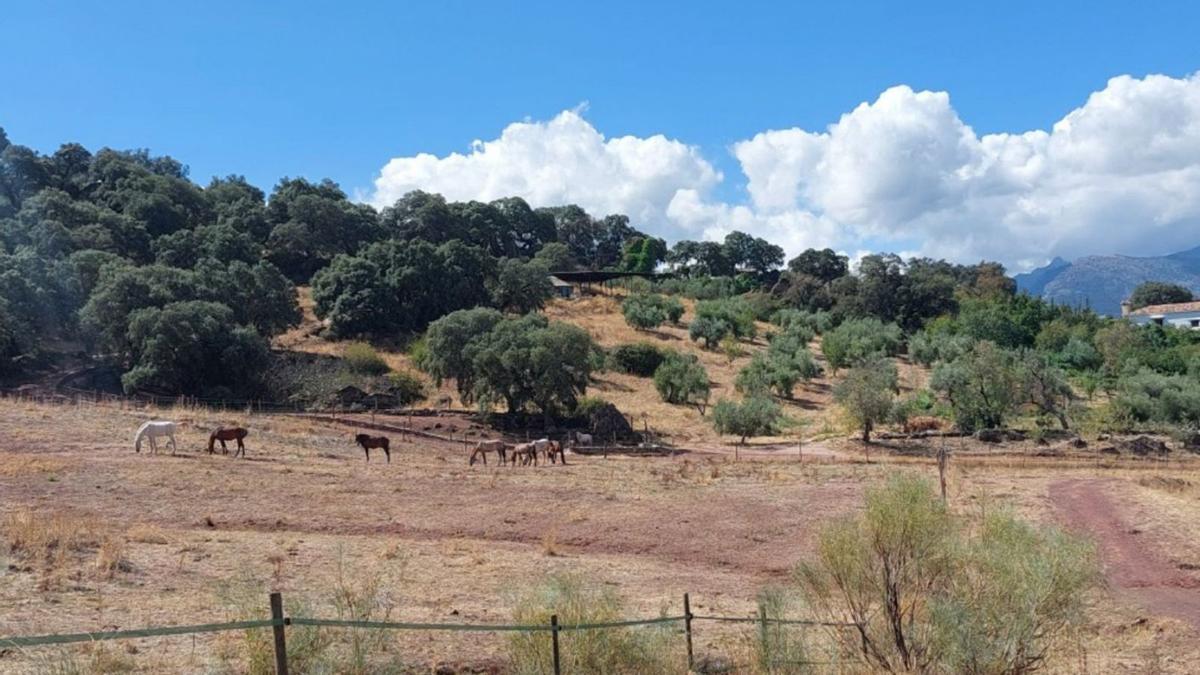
[(583, 439), (152, 430)]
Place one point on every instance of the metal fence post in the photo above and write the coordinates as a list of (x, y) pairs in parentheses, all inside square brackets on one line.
[(281, 666), (554, 643), (687, 629)]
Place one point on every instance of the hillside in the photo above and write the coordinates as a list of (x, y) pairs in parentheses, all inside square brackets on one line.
[(1102, 282), (600, 315)]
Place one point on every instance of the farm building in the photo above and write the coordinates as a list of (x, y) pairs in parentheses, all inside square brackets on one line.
[(1180, 315), (561, 288)]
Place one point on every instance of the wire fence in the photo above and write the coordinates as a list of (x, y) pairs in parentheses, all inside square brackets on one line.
[(279, 623)]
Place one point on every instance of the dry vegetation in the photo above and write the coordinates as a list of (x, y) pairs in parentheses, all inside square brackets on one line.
[(97, 537)]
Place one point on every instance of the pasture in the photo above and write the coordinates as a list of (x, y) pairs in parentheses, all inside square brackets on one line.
[(129, 540)]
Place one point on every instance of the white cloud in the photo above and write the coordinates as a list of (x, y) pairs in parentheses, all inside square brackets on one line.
[(565, 160), (1121, 173)]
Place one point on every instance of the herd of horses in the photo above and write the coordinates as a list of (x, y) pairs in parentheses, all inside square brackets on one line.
[(508, 453)]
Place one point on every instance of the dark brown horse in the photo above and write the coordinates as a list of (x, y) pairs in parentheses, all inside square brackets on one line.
[(367, 442), (229, 434)]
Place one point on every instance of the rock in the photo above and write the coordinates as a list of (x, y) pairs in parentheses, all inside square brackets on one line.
[(350, 394), (1109, 450), (1078, 443), (1143, 446)]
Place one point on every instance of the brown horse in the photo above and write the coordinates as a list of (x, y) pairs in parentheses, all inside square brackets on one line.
[(228, 434), (482, 448), (381, 442), (554, 448), (526, 452)]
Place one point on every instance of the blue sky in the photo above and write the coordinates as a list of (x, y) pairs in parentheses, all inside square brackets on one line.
[(338, 89)]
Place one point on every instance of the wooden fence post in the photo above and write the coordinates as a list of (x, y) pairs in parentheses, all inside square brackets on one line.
[(554, 643), (281, 666), (762, 635), (687, 630)]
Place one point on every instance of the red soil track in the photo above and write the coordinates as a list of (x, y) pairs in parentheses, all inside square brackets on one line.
[(1133, 567)]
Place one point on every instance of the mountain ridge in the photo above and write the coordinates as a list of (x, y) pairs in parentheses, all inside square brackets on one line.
[(1103, 281)]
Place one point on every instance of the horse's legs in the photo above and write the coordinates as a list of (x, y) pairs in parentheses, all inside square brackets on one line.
[(173, 446), (241, 447), (388, 453)]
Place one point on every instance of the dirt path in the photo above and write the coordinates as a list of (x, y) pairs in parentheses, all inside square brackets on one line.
[(1133, 566)]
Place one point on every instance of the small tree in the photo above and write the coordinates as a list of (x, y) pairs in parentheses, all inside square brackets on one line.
[(683, 381), (673, 308), (755, 416), (858, 340), (982, 386), (644, 311), (709, 329), (639, 358), (867, 393)]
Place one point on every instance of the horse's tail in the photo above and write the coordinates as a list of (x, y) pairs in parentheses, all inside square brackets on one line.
[(212, 439)]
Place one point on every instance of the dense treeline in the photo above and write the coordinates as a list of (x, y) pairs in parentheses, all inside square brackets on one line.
[(120, 255)]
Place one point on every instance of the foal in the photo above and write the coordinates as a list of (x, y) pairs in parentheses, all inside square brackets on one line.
[(381, 442), (223, 434)]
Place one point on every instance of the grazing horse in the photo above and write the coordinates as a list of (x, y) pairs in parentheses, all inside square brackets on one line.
[(223, 434), (367, 442), (482, 448), (527, 452), (582, 439), (152, 430), (556, 448)]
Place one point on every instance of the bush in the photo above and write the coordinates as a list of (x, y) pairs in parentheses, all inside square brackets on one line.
[(817, 322), (638, 358), (673, 308), (1147, 396), (867, 393), (929, 347), (681, 380), (362, 358), (642, 649), (709, 329), (644, 312), (931, 595), (406, 387), (755, 416), (858, 340), (735, 313)]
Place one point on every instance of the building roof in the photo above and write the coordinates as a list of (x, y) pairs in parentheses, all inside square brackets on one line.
[(1175, 308), (558, 282)]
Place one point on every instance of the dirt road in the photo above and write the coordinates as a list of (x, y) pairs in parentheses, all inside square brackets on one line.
[(1134, 566)]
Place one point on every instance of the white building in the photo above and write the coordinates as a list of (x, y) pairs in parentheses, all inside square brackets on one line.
[(1180, 315)]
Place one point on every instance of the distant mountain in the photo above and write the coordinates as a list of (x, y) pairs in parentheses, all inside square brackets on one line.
[(1103, 281)]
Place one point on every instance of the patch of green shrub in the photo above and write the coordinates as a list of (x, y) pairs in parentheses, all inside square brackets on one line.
[(362, 358), (637, 358)]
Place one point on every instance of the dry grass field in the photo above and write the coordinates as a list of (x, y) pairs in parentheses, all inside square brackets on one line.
[(96, 537)]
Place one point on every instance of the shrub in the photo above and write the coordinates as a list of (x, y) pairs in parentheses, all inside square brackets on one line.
[(643, 649), (673, 308), (405, 386), (362, 358), (734, 312), (644, 312), (867, 393), (858, 340), (638, 358), (930, 595), (1147, 396), (709, 329), (929, 347), (755, 416), (731, 348), (682, 380), (817, 322)]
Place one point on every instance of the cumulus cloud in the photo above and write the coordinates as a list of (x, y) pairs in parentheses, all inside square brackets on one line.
[(1120, 173), (565, 160)]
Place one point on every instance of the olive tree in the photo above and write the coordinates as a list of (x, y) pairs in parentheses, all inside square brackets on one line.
[(867, 393), (681, 380)]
